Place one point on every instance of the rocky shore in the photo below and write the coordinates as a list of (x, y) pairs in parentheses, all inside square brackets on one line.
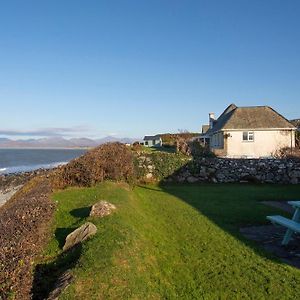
[(11, 183)]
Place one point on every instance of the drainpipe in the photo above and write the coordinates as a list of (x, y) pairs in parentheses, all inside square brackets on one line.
[(291, 141)]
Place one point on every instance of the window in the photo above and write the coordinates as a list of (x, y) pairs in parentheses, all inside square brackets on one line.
[(154, 142), (251, 136), (248, 136), (146, 143)]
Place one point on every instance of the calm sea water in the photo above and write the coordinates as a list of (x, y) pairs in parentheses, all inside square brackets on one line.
[(21, 160)]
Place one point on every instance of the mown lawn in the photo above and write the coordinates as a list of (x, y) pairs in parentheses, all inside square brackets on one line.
[(170, 242)]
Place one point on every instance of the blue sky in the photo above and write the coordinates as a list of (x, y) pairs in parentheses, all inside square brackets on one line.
[(135, 67)]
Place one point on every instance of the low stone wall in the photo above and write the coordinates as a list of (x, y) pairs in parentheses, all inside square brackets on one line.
[(220, 170)]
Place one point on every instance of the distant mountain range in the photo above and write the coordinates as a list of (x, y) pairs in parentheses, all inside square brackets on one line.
[(59, 142)]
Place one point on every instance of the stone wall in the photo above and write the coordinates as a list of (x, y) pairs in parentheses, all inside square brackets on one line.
[(220, 170)]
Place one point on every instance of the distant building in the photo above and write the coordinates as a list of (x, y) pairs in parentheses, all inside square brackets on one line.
[(296, 123), (204, 129), (203, 138), (152, 141), (249, 132)]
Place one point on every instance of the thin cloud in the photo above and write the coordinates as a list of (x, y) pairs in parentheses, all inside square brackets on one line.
[(50, 132)]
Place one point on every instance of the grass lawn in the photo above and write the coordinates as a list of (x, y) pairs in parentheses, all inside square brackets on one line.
[(170, 242), (159, 149)]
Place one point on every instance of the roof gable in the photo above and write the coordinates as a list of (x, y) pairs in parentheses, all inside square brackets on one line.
[(152, 137)]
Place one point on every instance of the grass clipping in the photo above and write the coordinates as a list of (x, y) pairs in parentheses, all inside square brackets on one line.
[(111, 161)]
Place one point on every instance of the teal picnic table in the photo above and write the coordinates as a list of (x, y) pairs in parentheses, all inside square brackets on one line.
[(292, 225)]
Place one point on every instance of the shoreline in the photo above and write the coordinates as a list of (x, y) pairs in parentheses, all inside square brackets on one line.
[(17, 170), (6, 195), (46, 148), (11, 183)]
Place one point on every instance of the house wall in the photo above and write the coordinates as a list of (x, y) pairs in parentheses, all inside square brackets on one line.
[(265, 143), (153, 143), (217, 141), (218, 145)]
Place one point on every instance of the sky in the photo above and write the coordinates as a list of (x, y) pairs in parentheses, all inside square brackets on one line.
[(134, 67)]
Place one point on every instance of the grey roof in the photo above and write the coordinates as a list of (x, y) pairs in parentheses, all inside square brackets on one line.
[(152, 137), (252, 117)]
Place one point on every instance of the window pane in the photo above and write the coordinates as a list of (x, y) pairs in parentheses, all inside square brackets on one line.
[(251, 136), (245, 136)]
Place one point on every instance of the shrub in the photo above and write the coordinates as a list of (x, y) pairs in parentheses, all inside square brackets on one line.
[(287, 152), (136, 146), (166, 164), (112, 161), (193, 148), (199, 150), (170, 139)]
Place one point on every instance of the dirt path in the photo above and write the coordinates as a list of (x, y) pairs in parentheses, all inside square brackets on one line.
[(24, 228)]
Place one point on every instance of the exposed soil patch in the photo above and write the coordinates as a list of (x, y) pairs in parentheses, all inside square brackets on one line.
[(24, 226), (270, 237)]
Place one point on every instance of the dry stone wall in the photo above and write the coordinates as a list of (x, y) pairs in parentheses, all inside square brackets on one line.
[(220, 170)]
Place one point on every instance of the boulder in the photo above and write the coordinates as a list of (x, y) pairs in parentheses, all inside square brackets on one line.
[(79, 235), (211, 171), (149, 176), (269, 177), (294, 173), (192, 179), (180, 179), (294, 180), (214, 180), (202, 172), (102, 209)]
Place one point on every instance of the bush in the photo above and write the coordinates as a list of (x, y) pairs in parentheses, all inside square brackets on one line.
[(166, 164), (136, 146), (170, 139), (112, 161), (193, 148), (287, 152), (198, 150)]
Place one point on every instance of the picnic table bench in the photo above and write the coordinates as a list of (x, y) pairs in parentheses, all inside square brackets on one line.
[(291, 225)]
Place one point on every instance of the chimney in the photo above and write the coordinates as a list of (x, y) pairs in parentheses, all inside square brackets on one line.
[(211, 119)]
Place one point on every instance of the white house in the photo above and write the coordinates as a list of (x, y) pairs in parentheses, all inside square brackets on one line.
[(152, 141), (249, 132)]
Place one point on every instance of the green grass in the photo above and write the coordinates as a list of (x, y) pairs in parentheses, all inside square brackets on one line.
[(159, 149), (170, 242)]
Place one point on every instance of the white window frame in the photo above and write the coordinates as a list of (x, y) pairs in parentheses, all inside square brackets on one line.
[(250, 136)]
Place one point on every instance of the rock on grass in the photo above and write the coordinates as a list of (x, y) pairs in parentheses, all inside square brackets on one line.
[(79, 235), (101, 209)]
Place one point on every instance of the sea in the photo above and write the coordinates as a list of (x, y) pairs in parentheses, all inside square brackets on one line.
[(23, 160)]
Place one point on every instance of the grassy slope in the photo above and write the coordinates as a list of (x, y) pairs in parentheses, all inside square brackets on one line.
[(158, 149), (173, 242)]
